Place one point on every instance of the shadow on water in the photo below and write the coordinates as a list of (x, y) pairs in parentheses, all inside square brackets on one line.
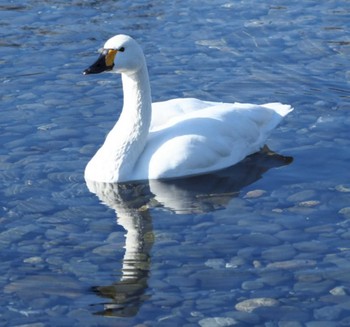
[(133, 203)]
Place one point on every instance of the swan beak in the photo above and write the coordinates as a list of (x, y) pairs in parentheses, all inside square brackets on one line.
[(105, 62)]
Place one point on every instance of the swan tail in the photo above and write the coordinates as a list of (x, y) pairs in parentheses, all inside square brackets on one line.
[(282, 109)]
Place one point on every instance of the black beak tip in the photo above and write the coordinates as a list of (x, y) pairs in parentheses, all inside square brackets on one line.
[(87, 71)]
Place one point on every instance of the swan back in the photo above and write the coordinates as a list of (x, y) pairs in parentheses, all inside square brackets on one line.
[(199, 136)]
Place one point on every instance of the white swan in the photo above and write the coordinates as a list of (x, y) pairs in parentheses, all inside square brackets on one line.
[(175, 138)]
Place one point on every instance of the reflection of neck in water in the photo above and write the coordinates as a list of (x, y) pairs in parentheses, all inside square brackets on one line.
[(138, 242), (128, 201), (132, 204)]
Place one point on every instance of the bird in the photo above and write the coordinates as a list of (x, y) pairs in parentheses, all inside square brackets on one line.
[(176, 138)]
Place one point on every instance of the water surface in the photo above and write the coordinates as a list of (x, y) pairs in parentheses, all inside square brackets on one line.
[(265, 243)]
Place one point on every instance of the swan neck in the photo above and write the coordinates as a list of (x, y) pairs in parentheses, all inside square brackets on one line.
[(137, 92), (131, 131), (116, 159)]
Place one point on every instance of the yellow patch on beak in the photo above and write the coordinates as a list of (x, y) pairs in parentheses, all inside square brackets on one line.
[(110, 57)]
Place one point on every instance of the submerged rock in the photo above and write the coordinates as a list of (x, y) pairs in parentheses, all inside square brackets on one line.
[(217, 322), (252, 304)]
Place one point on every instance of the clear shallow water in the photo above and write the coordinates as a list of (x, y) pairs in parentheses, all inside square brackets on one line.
[(275, 234)]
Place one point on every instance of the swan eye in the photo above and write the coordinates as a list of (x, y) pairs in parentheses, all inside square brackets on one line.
[(122, 49)]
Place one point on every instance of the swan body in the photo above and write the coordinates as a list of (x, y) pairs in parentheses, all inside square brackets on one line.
[(175, 138)]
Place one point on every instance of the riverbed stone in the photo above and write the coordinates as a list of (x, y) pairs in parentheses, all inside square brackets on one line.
[(302, 196), (279, 253), (327, 313), (292, 264), (218, 322), (338, 291), (289, 323), (313, 288), (343, 188), (254, 194), (259, 239), (345, 212), (215, 263), (314, 246), (254, 303), (252, 285)]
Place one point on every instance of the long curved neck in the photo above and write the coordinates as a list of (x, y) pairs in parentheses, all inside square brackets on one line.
[(137, 98), (126, 141)]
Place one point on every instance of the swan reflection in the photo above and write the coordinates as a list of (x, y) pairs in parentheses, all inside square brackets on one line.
[(134, 203), (130, 204)]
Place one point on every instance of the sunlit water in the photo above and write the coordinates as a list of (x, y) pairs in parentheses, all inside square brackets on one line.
[(266, 243)]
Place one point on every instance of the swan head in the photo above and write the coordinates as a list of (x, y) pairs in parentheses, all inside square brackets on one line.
[(121, 54)]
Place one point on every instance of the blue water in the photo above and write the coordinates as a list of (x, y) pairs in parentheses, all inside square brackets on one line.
[(265, 243)]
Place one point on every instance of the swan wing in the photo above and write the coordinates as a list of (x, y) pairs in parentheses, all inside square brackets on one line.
[(206, 138), (163, 112)]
